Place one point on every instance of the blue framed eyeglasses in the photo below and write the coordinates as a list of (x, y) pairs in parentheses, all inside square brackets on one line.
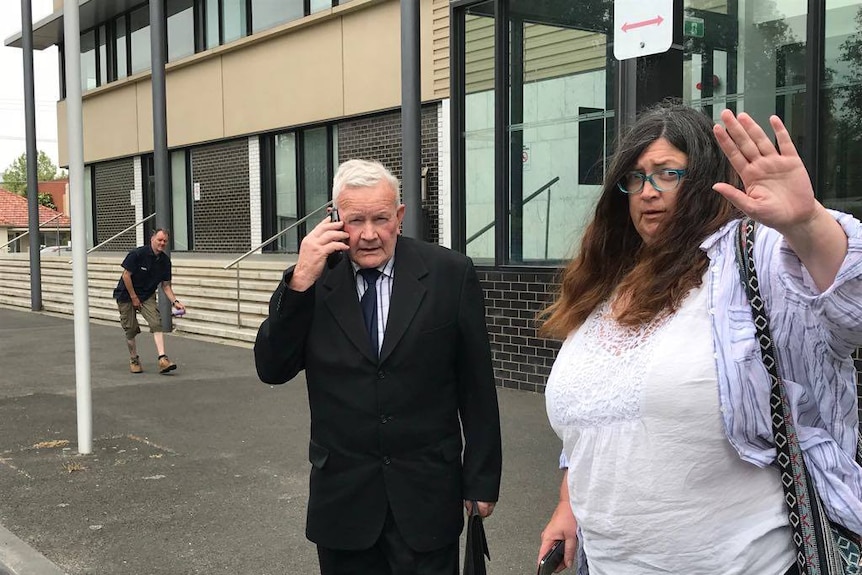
[(662, 181)]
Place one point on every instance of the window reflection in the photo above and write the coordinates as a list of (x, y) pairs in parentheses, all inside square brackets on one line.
[(181, 29), (235, 20), (268, 13), (103, 56), (140, 32), (212, 23), (285, 190), (88, 60), (120, 47), (318, 5), (179, 201), (479, 130), (841, 108)]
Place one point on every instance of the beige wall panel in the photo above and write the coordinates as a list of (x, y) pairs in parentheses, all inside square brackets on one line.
[(426, 49), (58, 5), (110, 124), (145, 115), (372, 59), (62, 140), (440, 48), (195, 105), (292, 79)]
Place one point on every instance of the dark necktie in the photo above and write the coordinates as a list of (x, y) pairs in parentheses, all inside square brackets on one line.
[(368, 303)]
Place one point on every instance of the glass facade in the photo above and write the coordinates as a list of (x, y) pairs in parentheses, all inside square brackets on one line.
[(120, 47), (479, 130), (180, 201), (181, 29), (286, 195), (270, 13), (88, 60), (296, 177), (139, 26), (234, 20), (530, 186), (559, 116), (840, 142)]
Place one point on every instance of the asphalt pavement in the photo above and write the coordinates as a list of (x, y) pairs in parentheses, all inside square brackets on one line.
[(201, 471)]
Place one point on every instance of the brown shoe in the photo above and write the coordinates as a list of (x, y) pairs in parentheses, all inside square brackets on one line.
[(166, 365), (135, 365)]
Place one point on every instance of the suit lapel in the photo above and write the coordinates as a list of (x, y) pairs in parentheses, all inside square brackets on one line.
[(407, 293), (343, 303)]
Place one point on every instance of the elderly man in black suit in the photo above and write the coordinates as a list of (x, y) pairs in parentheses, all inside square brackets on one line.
[(398, 366)]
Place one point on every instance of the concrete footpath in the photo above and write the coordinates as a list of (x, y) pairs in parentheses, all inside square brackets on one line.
[(201, 471)]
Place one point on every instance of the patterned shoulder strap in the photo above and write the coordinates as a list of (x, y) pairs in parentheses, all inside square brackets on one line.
[(803, 506)]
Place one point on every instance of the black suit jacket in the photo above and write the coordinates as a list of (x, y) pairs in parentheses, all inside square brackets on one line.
[(388, 432)]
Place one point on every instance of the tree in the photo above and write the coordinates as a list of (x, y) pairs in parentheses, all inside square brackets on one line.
[(15, 176)]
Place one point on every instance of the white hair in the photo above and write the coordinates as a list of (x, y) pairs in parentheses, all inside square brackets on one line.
[(363, 174)]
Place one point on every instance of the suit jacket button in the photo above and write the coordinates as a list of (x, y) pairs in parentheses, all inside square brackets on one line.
[(384, 419), (386, 460), (380, 374)]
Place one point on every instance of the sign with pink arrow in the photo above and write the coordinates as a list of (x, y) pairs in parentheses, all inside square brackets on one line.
[(642, 27)]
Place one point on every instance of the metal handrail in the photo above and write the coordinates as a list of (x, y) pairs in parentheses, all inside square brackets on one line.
[(16, 238), (553, 181), (274, 237), (118, 234)]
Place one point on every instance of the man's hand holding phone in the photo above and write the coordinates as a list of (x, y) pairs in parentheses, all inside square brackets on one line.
[(327, 238)]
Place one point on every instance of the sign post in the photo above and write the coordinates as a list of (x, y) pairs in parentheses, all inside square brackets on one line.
[(642, 27)]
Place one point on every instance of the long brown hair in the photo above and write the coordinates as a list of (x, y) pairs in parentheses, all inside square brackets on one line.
[(653, 278)]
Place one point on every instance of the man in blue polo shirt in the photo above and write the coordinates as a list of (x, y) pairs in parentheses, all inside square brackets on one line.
[(143, 270)]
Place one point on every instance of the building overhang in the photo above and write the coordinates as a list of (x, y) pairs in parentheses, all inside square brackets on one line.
[(48, 31)]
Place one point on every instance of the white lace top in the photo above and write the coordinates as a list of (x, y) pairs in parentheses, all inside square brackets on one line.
[(653, 482)]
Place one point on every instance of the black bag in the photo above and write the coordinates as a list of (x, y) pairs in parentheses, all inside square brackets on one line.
[(477, 545)]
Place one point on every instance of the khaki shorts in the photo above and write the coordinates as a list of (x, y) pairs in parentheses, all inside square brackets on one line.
[(129, 319)]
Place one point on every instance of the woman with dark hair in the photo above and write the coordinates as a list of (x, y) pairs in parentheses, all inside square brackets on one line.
[(659, 392)]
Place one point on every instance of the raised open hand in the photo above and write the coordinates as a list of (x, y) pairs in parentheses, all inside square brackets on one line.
[(777, 188)]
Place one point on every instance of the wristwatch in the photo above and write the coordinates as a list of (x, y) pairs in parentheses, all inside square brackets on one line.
[(175, 302)]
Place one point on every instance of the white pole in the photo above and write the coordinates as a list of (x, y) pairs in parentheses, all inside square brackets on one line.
[(75, 131)]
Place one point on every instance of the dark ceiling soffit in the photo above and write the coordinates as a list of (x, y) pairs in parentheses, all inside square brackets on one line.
[(48, 31)]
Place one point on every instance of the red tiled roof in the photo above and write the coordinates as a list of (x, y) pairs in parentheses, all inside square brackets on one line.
[(14, 212)]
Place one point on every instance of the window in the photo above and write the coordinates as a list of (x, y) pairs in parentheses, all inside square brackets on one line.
[(296, 178), (479, 130), (120, 51), (181, 29), (268, 13), (749, 60), (180, 201), (88, 61), (140, 32), (102, 56), (318, 5), (841, 108), (212, 23), (543, 167), (235, 20), (285, 190)]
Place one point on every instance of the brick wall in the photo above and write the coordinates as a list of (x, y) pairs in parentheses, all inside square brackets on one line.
[(222, 217), (521, 359), (113, 184), (379, 138)]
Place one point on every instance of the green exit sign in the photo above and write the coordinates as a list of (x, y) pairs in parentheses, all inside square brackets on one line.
[(692, 27)]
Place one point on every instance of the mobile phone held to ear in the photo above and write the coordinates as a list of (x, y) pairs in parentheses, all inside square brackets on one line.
[(552, 559), (334, 258)]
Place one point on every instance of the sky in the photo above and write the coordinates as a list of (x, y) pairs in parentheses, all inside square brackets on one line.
[(46, 82)]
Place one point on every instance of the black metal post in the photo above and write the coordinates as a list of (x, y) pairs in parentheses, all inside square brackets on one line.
[(32, 157), (411, 126), (160, 136)]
